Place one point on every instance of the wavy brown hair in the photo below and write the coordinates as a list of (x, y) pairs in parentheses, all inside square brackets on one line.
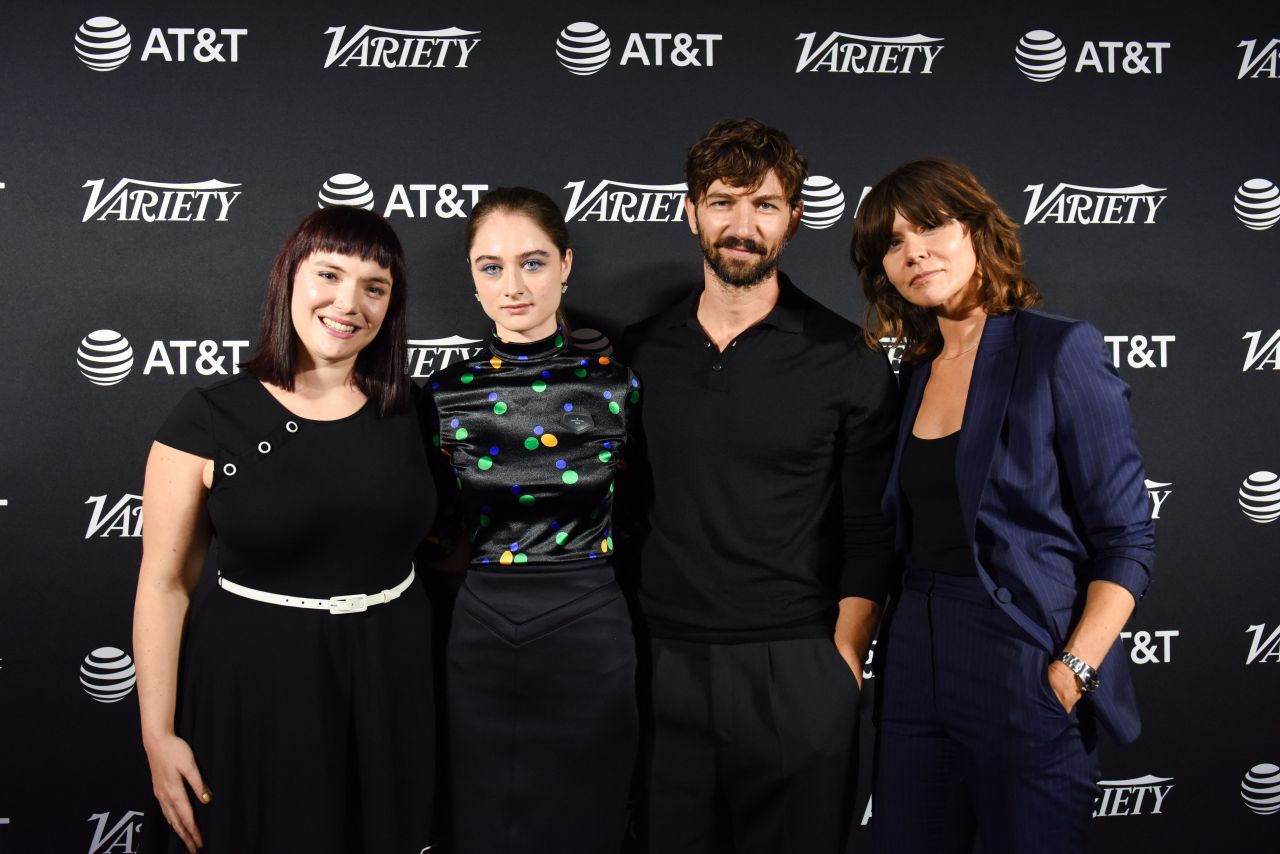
[(742, 152), (929, 192)]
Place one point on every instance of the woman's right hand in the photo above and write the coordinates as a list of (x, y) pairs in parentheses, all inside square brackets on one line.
[(173, 767)]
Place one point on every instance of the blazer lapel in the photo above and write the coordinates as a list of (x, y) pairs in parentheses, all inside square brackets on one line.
[(984, 410)]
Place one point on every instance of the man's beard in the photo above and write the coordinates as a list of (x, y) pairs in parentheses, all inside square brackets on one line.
[(745, 273)]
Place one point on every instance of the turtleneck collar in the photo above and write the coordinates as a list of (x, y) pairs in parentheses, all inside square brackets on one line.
[(533, 351)]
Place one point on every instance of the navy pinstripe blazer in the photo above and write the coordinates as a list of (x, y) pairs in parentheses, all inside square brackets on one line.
[(1051, 484)]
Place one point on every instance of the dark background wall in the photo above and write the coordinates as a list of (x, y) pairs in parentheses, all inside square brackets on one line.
[(1163, 122)]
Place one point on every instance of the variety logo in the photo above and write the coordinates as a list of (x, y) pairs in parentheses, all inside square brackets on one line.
[(1262, 354), (104, 357), (592, 341), (617, 201), (107, 674), (866, 813), (1143, 353), (583, 48), (103, 43), (1260, 63), (448, 201), (131, 200), (1258, 204), (123, 518), (894, 352), (823, 202), (1139, 796), (1260, 496), (1041, 56), (1151, 647), (428, 355), (1260, 789), (1080, 205), (845, 53), (383, 47), (1265, 647), (868, 669), (117, 838), (1158, 495)]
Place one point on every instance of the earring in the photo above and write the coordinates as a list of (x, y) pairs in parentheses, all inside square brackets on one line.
[(564, 286), (477, 296)]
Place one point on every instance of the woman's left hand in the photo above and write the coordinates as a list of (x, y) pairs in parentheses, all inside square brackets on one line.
[(1065, 685)]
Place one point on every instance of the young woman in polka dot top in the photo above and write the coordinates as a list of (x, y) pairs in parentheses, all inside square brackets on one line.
[(541, 659)]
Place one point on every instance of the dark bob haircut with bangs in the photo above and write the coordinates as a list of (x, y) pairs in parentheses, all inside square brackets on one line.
[(742, 152), (380, 367), (929, 192)]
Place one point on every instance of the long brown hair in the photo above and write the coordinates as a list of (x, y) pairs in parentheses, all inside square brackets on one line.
[(929, 192)]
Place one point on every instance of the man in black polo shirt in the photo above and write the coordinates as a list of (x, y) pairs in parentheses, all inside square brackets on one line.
[(765, 441)]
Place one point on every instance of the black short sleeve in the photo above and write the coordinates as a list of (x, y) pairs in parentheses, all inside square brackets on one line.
[(189, 426)]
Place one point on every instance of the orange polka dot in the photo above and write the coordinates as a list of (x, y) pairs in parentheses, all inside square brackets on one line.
[(604, 360), (507, 558), (496, 362), (550, 440), (604, 545)]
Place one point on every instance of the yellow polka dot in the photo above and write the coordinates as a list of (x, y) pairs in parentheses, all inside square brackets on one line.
[(604, 545), (604, 360), (496, 362), (507, 557), (550, 440)]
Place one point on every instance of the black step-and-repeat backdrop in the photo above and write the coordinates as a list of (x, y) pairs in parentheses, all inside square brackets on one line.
[(154, 155)]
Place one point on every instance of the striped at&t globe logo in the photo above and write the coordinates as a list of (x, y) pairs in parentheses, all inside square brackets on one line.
[(592, 340), (1261, 789), (1260, 497), (103, 43), (107, 674), (823, 202), (346, 189), (104, 357), (1258, 204), (583, 48), (1041, 56)]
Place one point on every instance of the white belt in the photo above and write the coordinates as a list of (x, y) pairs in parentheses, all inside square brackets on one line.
[(353, 604)]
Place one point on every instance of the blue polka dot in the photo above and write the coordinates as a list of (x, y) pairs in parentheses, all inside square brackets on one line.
[(494, 450), (538, 431), (592, 555), (555, 526), (453, 423), (515, 547), (485, 508), (493, 395), (435, 386), (484, 560), (560, 464), (568, 407), (608, 395), (546, 375), (583, 363), (608, 444), (515, 487), (522, 358), (635, 383), (475, 368)]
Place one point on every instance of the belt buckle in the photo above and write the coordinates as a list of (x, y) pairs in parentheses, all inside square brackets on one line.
[(355, 604)]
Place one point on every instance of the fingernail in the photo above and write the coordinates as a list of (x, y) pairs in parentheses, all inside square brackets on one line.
[(205, 797)]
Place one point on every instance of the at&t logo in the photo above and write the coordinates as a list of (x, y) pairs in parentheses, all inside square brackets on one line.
[(1079, 205), (1041, 56), (1143, 351), (1159, 494), (383, 47), (1139, 796), (105, 357), (584, 49), (1260, 789), (1265, 647), (428, 355), (1260, 496), (123, 518), (846, 53), (1151, 647), (132, 200), (823, 202), (1259, 63), (1257, 204), (116, 837), (420, 201), (107, 674), (103, 44)]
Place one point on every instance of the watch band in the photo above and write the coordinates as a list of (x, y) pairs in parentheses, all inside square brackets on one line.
[(1087, 675)]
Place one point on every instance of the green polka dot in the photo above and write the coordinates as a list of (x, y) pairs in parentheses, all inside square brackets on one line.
[(611, 489), (499, 407), (604, 456), (634, 397), (559, 340), (526, 500), (614, 407), (539, 385), (485, 521), (435, 439), (531, 443), (522, 558), (609, 540), (484, 463), (468, 378), (461, 434), (561, 538), (570, 477), (579, 372)]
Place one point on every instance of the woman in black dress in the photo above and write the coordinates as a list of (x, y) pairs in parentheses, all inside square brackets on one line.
[(541, 660), (301, 716)]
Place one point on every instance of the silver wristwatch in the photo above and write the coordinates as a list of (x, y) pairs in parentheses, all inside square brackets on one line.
[(1087, 676)]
